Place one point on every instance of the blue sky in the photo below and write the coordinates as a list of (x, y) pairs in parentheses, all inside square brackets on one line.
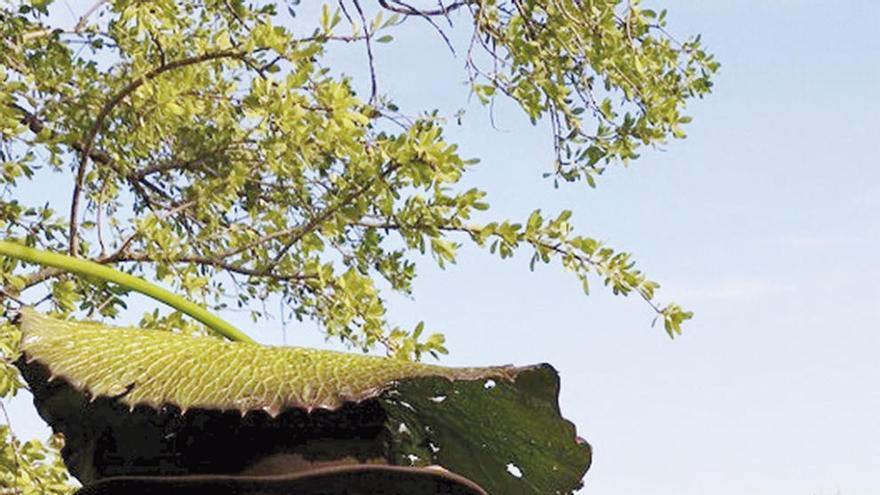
[(765, 222)]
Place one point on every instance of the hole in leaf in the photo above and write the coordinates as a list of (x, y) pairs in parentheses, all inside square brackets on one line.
[(514, 470)]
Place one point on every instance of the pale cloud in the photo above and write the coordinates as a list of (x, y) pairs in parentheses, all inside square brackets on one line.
[(731, 291), (819, 241), (829, 240)]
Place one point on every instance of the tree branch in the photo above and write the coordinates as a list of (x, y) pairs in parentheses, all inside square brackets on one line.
[(327, 212), (475, 231), (368, 40), (295, 234), (98, 125), (81, 24), (212, 262), (402, 8)]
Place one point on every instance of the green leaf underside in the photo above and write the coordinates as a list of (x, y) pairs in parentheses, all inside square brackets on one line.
[(156, 369)]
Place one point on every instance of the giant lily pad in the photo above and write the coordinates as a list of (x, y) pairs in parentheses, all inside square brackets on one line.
[(137, 402)]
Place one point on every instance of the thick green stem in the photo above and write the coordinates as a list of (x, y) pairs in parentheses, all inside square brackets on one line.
[(92, 269)]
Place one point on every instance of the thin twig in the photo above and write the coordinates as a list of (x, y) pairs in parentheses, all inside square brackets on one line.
[(6, 295), (427, 17), (83, 20), (368, 36), (404, 9), (298, 233), (557, 248), (206, 261)]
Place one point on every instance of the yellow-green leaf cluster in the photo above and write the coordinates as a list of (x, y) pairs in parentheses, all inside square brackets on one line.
[(214, 147)]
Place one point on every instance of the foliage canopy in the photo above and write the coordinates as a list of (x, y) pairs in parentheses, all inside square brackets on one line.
[(210, 145)]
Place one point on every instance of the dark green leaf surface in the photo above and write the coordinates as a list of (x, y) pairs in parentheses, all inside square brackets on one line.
[(507, 435)]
